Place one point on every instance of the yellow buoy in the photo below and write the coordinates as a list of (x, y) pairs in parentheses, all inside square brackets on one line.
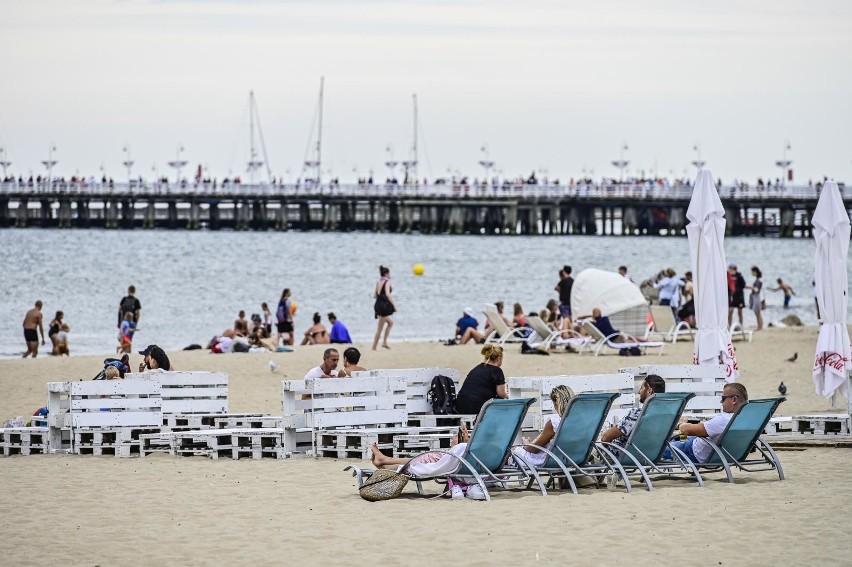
[(293, 307), (418, 269)]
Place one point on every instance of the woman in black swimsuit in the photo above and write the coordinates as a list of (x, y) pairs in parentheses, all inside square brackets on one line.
[(53, 330), (384, 307)]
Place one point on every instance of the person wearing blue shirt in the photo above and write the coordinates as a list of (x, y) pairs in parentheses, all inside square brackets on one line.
[(339, 332), (466, 322)]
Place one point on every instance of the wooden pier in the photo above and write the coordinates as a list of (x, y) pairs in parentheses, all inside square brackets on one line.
[(553, 210)]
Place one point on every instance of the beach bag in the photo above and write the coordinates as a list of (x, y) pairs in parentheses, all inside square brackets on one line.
[(383, 484), (383, 306), (442, 395)]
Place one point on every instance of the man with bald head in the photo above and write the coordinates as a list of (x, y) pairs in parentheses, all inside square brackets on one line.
[(33, 324)]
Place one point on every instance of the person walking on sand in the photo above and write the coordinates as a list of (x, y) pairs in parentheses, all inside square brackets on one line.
[(384, 307), (32, 326)]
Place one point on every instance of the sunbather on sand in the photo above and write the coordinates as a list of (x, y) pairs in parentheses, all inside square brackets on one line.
[(427, 464)]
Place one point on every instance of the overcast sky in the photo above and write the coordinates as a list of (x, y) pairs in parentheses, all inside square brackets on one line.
[(546, 85)]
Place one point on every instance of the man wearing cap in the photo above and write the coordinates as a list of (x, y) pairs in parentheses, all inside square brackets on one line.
[(736, 293), (155, 358)]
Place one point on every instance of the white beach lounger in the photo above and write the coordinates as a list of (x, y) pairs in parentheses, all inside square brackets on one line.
[(501, 332), (599, 341), (549, 337), (666, 326)]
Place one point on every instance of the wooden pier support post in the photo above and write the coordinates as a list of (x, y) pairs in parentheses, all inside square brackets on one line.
[(4, 213), (127, 213), (511, 219), (173, 215), (281, 221), (328, 217), (22, 213), (214, 221), (111, 214), (83, 213), (45, 214), (150, 219), (193, 221)]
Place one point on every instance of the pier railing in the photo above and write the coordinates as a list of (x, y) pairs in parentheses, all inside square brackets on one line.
[(619, 191)]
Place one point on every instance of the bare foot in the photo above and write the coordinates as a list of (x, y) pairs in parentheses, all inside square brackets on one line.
[(378, 458), (386, 346)]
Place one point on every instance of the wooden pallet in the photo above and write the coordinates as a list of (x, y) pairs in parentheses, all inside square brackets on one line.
[(124, 450), (826, 424), (203, 420), (351, 443), (155, 443), (410, 445), (248, 422), (24, 441), (213, 443), (431, 420), (258, 443)]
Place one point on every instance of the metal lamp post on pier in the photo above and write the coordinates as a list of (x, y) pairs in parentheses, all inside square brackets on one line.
[(49, 163), (621, 163), (698, 162), (784, 163), (391, 163), (128, 163), (4, 163), (178, 163), (486, 162)]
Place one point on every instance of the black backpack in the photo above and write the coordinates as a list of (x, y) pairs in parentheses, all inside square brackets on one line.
[(442, 395)]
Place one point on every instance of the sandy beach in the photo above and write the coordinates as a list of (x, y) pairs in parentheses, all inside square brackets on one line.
[(194, 511)]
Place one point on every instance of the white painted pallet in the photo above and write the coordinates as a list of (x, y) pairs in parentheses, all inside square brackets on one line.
[(258, 443), (410, 445), (816, 424), (248, 422), (190, 392), (355, 443), (213, 443), (706, 381), (23, 441), (155, 443)]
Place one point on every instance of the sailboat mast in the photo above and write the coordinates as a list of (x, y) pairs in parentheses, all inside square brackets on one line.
[(319, 135)]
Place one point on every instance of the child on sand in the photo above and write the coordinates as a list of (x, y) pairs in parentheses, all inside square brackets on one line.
[(125, 334)]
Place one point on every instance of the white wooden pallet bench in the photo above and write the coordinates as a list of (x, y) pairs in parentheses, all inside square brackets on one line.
[(23, 441), (418, 382), (102, 416), (196, 392), (539, 387), (706, 381), (348, 415)]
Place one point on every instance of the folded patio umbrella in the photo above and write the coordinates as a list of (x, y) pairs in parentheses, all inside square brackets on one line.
[(831, 232), (706, 233)]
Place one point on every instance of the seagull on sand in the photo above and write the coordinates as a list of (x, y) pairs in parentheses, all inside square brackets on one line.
[(782, 389), (273, 366), (794, 357)]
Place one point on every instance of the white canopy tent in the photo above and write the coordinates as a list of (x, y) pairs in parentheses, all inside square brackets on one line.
[(617, 297), (833, 352), (706, 233)]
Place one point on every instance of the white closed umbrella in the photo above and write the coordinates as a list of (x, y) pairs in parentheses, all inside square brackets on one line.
[(706, 233), (831, 232)]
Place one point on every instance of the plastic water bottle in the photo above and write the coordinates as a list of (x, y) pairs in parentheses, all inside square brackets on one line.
[(611, 481)]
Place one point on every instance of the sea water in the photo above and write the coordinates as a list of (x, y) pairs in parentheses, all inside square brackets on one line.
[(192, 284)]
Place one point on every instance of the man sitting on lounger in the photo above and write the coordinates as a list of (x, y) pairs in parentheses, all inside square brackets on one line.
[(696, 448), (605, 327), (619, 434)]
